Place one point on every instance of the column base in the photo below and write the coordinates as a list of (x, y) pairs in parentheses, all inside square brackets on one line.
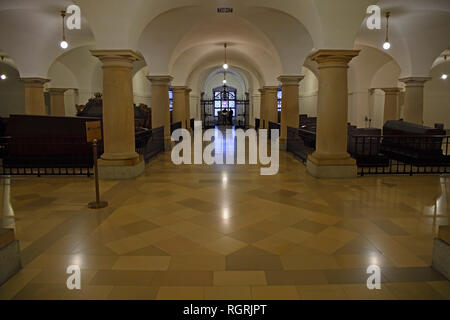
[(120, 169), (283, 144), (331, 168), (168, 144)]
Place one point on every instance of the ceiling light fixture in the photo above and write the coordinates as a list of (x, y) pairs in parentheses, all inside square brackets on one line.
[(2, 75), (387, 44), (225, 65), (444, 76), (64, 44)]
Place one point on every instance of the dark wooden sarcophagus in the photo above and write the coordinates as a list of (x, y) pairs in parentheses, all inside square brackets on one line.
[(364, 145), (413, 143), (48, 142), (94, 109)]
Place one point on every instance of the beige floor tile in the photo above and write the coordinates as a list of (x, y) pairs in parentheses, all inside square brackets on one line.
[(88, 293), (414, 291), (152, 263), (181, 293), (361, 292), (443, 287), (275, 245), (309, 262), (236, 278), (228, 293), (322, 292), (225, 245), (395, 252), (127, 245), (197, 263), (275, 293), (133, 293), (156, 235), (14, 285)]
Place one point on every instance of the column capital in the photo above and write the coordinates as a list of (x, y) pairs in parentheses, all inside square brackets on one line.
[(392, 91), (271, 89), (188, 90), (372, 91), (160, 80), (117, 58), (34, 82), (333, 58), (179, 88), (290, 80), (57, 91), (414, 81)]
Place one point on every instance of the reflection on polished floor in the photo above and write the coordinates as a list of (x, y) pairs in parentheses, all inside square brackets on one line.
[(225, 232)]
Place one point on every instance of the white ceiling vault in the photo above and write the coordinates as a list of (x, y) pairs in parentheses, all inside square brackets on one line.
[(184, 38)]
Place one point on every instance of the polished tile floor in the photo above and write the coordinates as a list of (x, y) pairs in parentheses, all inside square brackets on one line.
[(226, 232)]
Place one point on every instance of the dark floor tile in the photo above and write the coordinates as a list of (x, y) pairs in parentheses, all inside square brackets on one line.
[(310, 226), (182, 278), (348, 276), (139, 227), (417, 274), (251, 251), (358, 245), (390, 228), (122, 278), (254, 262), (199, 205), (249, 235), (148, 251)]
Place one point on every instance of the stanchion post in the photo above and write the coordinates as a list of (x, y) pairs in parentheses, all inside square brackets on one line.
[(93, 134)]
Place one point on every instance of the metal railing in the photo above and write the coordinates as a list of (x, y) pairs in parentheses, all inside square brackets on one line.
[(148, 144), (377, 154)]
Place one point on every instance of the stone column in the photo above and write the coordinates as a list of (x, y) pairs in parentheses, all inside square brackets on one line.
[(247, 110), (188, 107), (371, 106), (160, 106), (179, 105), (413, 109), (262, 109), (119, 160), (34, 96), (331, 160), (391, 104), (290, 107), (271, 105), (202, 109), (57, 105)]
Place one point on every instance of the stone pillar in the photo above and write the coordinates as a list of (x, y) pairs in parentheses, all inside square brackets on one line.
[(119, 160), (202, 108), (57, 105), (188, 107), (331, 160), (290, 108), (413, 108), (271, 105), (391, 104), (179, 105), (160, 106), (247, 110), (262, 109), (34, 96), (371, 106)]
